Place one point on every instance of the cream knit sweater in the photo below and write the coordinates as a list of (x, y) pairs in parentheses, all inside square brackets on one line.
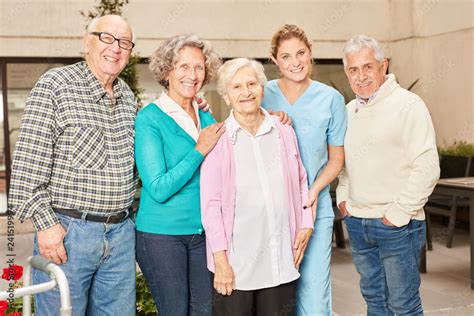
[(391, 164)]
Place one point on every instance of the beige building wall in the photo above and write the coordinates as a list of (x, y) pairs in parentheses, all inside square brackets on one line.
[(429, 40), (439, 51)]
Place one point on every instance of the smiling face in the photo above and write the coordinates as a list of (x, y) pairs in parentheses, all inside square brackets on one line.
[(107, 61), (188, 75), (365, 73), (244, 92), (293, 58)]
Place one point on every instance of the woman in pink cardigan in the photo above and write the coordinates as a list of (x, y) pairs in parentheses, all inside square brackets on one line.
[(253, 192)]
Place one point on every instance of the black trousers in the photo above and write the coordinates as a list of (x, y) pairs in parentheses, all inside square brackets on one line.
[(274, 301)]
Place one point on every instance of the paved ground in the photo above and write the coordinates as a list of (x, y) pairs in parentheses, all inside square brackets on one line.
[(445, 288)]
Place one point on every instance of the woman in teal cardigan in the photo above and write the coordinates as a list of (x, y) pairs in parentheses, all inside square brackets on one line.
[(171, 139)]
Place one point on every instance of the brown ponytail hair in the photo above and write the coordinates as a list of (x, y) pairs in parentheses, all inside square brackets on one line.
[(286, 32)]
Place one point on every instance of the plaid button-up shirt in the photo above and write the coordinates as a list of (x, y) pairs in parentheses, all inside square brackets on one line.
[(75, 148)]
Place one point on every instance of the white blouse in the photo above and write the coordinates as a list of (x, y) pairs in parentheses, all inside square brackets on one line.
[(261, 250), (176, 112)]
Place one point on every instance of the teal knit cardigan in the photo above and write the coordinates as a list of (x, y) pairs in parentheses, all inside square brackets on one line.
[(168, 166)]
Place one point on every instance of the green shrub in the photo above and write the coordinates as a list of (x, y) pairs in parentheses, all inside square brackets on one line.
[(460, 149), (145, 304)]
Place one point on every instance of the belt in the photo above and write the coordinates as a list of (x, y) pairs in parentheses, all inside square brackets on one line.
[(108, 219)]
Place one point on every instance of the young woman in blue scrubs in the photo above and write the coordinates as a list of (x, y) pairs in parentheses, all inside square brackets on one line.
[(319, 119)]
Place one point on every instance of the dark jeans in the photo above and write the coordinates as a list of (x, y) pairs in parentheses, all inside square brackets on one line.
[(274, 301), (387, 259), (175, 269)]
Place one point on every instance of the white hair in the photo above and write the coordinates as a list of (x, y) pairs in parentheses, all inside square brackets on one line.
[(359, 42), (228, 70), (93, 23)]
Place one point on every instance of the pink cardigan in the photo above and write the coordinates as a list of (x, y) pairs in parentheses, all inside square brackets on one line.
[(218, 190)]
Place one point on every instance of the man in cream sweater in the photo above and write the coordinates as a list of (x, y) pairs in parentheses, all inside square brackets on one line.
[(391, 169)]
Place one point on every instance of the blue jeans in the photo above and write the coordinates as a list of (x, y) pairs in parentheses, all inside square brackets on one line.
[(176, 272), (387, 259), (100, 269)]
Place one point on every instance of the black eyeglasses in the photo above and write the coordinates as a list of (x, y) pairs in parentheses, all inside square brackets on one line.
[(110, 39)]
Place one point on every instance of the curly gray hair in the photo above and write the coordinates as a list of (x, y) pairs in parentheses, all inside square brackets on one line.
[(164, 58)]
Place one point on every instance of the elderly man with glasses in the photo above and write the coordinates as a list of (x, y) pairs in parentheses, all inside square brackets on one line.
[(73, 174)]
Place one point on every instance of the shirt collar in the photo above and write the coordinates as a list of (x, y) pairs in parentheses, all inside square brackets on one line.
[(363, 102), (233, 126), (386, 86), (169, 106), (96, 88)]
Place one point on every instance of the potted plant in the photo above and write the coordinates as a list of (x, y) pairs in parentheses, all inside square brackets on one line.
[(456, 160)]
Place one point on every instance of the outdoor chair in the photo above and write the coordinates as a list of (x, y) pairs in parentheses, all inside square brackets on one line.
[(446, 205)]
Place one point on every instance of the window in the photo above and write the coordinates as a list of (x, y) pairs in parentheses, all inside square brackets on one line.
[(19, 75)]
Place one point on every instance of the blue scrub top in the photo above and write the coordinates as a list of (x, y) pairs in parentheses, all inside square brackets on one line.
[(319, 119)]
